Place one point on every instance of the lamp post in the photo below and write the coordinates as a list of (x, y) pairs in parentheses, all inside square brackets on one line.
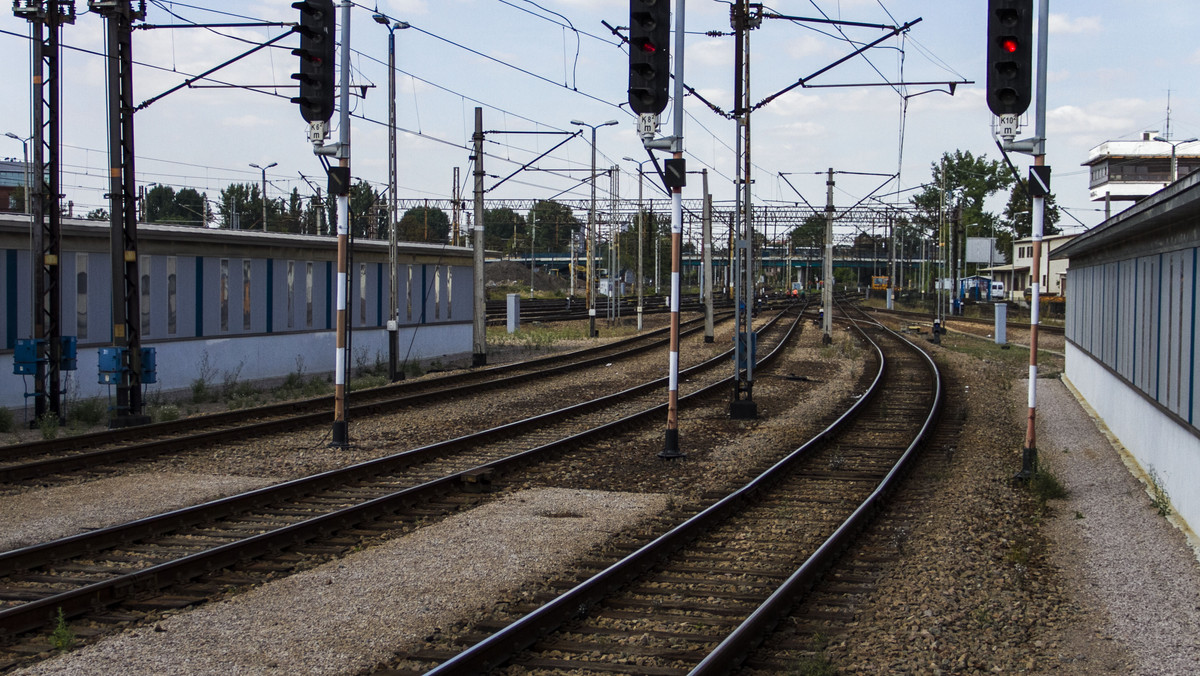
[(393, 325), (25, 157), (264, 189), (591, 242), (641, 237), (1174, 160)]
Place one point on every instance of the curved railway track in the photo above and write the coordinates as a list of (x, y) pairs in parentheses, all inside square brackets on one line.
[(701, 597), (84, 574), (35, 461)]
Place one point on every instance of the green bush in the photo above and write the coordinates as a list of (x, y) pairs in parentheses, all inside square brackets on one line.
[(7, 421), (89, 412), (48, 424), (164, 413)]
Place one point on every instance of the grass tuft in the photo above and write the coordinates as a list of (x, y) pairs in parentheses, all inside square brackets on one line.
[(1045, 486), (62, 638)]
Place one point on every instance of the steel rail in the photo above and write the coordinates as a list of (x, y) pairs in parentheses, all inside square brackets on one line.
[(751, 631), (323, 403), (468, 383), (35, 614), (499, 647)]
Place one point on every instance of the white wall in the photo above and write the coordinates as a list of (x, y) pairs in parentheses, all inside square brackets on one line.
[(1158, 443), (254, 358)]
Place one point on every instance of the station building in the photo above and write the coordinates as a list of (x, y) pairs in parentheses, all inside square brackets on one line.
[(1132, 345)]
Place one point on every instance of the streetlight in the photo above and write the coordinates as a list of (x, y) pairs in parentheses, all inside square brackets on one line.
[(264, 189), (591, 246), (1174, 161), (393, 324), (25, 153), (641, 236)]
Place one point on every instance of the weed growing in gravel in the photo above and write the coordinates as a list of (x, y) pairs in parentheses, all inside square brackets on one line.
[(814, 666), (48, 425), (62, 638), (89, 412), (1045, 486), (1159, 499), (202, 389), (1078, 514), (297, 386), (164, 413)]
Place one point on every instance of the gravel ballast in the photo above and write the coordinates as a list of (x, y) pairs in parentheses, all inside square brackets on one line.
[(348, 614), (1129, 565), (44, 515)]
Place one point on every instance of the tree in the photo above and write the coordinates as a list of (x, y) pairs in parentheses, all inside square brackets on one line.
[(238, 204), (16, 199), (164, 205), (553, 224), (501, 227), (1018, 219), (962, 181), (97, 215), (425, 224), (159, 204), (192, 206), (808, 242), (368, 212)]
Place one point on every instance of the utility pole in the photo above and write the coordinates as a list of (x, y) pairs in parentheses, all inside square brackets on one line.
[(827, 272), (1039, 187), (706, 233), (742, 405), (891, 290), (671, 448), (119, 17), (340, 437), (590, 294), (456, 205), (479, 333), (614, 298), (641, 235), (46, 19), (264, 189), (393, 324)]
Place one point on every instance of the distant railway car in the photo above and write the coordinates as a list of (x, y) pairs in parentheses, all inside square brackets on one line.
[(250, 305), (879, 282)]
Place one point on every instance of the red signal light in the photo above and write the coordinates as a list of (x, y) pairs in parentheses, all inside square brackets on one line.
[(1010, 45)]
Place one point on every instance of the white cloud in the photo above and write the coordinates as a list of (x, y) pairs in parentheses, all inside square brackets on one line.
[(1061, 24)]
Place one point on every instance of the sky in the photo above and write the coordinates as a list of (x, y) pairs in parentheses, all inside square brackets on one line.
[(1115, 68)]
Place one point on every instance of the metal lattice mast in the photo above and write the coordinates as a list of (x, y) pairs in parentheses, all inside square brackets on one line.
[(46, 19)]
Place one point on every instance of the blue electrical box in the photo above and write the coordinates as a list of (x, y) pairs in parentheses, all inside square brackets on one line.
[(149, 366), (111, 365), (68, 360), (25, 359)]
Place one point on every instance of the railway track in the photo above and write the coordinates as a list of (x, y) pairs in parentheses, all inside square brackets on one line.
[(969, 321), (37, 461), (560, 309), (320, 515), (699, 599)]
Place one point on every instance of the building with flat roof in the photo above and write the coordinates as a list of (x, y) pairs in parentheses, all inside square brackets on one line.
[(1132, 344), (1131, 170)]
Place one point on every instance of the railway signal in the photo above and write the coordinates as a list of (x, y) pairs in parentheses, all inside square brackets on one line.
[(649, 55), (317, 54), (1009, 56)]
